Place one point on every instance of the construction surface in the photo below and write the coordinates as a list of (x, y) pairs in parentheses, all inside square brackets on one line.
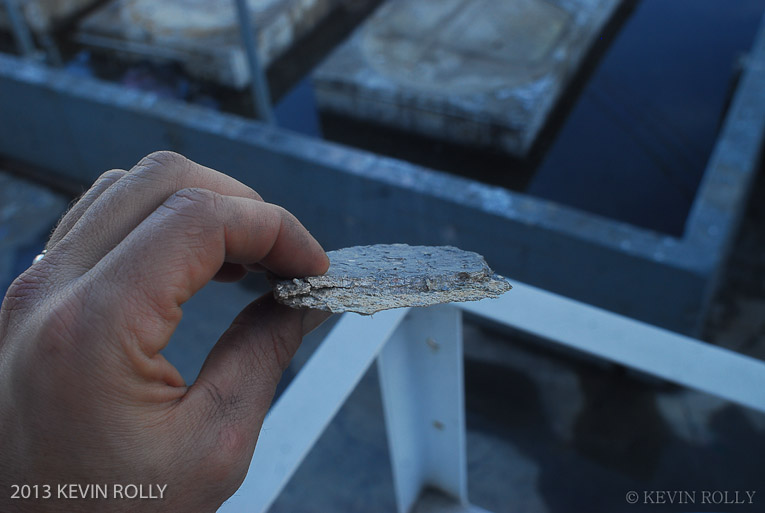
[(476, 72), (202, 35)]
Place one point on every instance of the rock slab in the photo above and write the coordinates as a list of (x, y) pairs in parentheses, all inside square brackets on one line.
[(485, 73), (368, 279), (201, 35)]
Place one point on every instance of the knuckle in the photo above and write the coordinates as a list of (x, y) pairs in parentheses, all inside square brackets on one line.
[(163, 158), (22, 293), (20, 315), (160, 165), (287, 219), (194, 202), (193, 221), (281, 212), (111, 176)]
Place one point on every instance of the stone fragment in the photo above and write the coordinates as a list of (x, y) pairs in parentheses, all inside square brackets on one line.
[(367, 279)]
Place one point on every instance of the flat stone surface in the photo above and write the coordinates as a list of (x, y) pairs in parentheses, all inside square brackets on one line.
[(470, 44), (190, 18), (203, 35), (478, 72), (368, 279)]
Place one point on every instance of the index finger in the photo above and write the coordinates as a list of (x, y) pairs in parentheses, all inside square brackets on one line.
[(110, 216), (177, 249)]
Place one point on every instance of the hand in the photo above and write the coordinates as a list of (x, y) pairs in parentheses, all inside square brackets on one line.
[(85, 395)]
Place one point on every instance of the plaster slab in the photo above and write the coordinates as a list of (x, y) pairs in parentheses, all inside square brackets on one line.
[(202, 35), (44, 15), (477, 72)]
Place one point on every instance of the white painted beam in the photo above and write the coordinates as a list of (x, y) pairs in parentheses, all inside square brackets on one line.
[(307, 406), (421, 379), (656, 351)]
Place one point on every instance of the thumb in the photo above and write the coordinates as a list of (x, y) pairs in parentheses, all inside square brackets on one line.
[(239, 377)]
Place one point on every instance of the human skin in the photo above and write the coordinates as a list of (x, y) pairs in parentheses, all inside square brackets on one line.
[(85, 395)]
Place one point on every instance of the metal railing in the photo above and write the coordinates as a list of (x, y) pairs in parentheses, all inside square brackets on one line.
[(261, 96), (419, 356)]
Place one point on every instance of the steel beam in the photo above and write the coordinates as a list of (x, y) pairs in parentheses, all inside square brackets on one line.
[(634, 344), (306, 407), (423, 391), (261, 97)]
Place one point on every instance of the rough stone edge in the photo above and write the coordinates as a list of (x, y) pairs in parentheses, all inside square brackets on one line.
[(330, 299)]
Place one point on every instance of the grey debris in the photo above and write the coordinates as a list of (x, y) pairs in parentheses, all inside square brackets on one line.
[(368, 279)]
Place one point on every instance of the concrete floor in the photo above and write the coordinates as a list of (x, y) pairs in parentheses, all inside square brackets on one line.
[(548, 430)]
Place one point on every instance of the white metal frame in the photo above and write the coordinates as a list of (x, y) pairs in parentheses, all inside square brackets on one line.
[(419, 357)]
